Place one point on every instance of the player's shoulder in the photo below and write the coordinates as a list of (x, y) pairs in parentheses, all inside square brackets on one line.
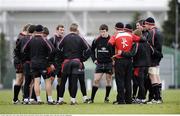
[(123, 34)]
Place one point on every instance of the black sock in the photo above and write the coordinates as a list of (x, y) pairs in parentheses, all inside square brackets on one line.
[(151, 94), (16, 92), (155, 91), (33, 96), (57, 89), (46, 97), (22, 89), (108, 89), (159, 90), (135, 87), (94, 90)]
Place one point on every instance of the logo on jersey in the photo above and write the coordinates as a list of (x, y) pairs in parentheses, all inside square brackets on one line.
[(124, 42), (103, 49)]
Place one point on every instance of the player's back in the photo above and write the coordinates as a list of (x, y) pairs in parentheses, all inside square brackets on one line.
[(124, 41)]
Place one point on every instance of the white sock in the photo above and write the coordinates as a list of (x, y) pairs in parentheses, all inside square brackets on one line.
[(61, 99), (31, 100), (50, 99), (73, 100), (38, 98), (85, 98), (26, 99)]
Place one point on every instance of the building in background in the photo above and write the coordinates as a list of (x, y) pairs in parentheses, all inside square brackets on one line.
[(89, 14)]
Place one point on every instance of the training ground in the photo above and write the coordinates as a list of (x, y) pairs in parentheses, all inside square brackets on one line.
[(171, 105)]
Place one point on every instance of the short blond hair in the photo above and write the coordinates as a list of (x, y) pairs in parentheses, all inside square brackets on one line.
[(25, 28)]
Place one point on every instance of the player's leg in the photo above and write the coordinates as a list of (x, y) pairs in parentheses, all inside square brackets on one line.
[(127, 81), (97, 78), (73, 88), (141, 93), (62, 89), (135, 84), (81, 78), (17, 86), (108, 87), (37, 88), (48, 87), (155, 81), (28, 79)]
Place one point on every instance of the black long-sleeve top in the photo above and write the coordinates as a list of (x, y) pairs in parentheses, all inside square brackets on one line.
[(155, 39), (101, 51), (143, 55), (39, 50), (55, 40), (17, 49), (74, 46), (23, 57), (58, 57)]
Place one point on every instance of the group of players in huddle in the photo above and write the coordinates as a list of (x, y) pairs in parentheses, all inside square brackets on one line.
[(132, 56)]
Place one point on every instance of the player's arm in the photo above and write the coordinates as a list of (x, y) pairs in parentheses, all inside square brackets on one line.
[(93, 47), (86, 50), (131, 53)]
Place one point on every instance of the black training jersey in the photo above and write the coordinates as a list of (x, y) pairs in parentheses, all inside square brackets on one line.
[(73, 46), (17, 49), (101, 51), (143, 55), (55, 40), (39, 50), (156, 40)]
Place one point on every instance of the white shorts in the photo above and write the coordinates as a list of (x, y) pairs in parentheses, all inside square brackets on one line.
[(154, 70)]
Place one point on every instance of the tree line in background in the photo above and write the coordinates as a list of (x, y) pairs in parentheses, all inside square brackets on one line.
[(3, 57), (169, 25)]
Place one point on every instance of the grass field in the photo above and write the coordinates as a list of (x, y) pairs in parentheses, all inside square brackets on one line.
[(171, 105)]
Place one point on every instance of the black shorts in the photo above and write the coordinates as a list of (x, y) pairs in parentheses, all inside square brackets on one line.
[(18, 68), (104, 68), (72, 67), (56, 72), (18, 65), (38, 71)]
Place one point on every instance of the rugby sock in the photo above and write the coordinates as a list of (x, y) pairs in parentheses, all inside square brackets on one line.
[(155, 90), (33, 96), (47, 97), (85, 98), (159, 90), (73, 100), (151, 95), (108, 89), (38, 98), (94, 90), (57, 89), (50, 99), (26, 100), (60, 99), (22, 89), (135, 87), (16, 92)]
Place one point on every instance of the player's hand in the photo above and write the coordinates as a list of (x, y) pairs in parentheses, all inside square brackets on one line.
[(119, 52), (52, 67), (95, 62), (113, 57), (113, 62)]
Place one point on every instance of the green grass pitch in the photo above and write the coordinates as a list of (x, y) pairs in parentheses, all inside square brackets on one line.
[(171, 105)]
